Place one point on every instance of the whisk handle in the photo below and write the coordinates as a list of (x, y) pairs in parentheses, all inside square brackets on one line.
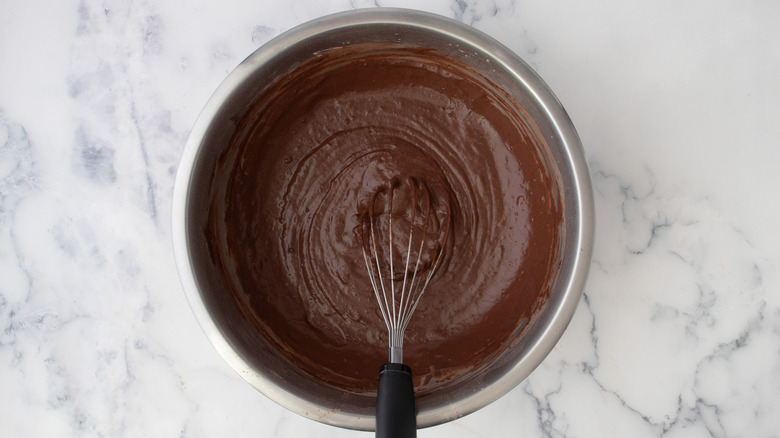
[(395, 412)]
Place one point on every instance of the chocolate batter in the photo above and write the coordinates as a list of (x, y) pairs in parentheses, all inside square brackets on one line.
[(310, 154)]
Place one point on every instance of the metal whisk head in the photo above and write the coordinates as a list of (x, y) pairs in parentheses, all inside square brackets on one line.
[(403, 239)]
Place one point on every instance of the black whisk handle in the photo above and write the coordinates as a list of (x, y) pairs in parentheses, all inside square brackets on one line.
[(395, 413)]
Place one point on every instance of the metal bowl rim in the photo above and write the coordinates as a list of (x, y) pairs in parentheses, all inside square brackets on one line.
[(585, 219)]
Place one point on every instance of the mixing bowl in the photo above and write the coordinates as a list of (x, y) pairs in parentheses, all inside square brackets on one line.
[(251, 355)]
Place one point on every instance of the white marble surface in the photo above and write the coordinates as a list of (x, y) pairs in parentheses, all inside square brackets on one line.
[(677, 104)]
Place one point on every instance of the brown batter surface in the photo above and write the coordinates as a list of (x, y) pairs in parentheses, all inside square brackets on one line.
[(311, 153)]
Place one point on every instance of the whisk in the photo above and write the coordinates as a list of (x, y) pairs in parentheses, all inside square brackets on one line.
[(402, 239)]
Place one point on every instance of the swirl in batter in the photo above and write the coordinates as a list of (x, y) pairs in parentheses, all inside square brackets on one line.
[(319, 143)]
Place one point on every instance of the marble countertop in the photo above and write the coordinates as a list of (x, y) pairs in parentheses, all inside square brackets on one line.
[(678, 108)]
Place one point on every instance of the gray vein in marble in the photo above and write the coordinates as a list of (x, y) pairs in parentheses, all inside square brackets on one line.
[(358, 4), (95, 157), (114, 88), (150, 187), (545, 414), (653, 224), (152, 35), (588, 367), (262, 34), (473, 11), (19, 179)]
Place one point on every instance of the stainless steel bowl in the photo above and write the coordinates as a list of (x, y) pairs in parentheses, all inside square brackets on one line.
[(236, 340)]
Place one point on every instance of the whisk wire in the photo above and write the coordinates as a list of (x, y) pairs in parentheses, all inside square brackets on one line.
[(372, 236), (397, 306), (390, 247), (404, 304)]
